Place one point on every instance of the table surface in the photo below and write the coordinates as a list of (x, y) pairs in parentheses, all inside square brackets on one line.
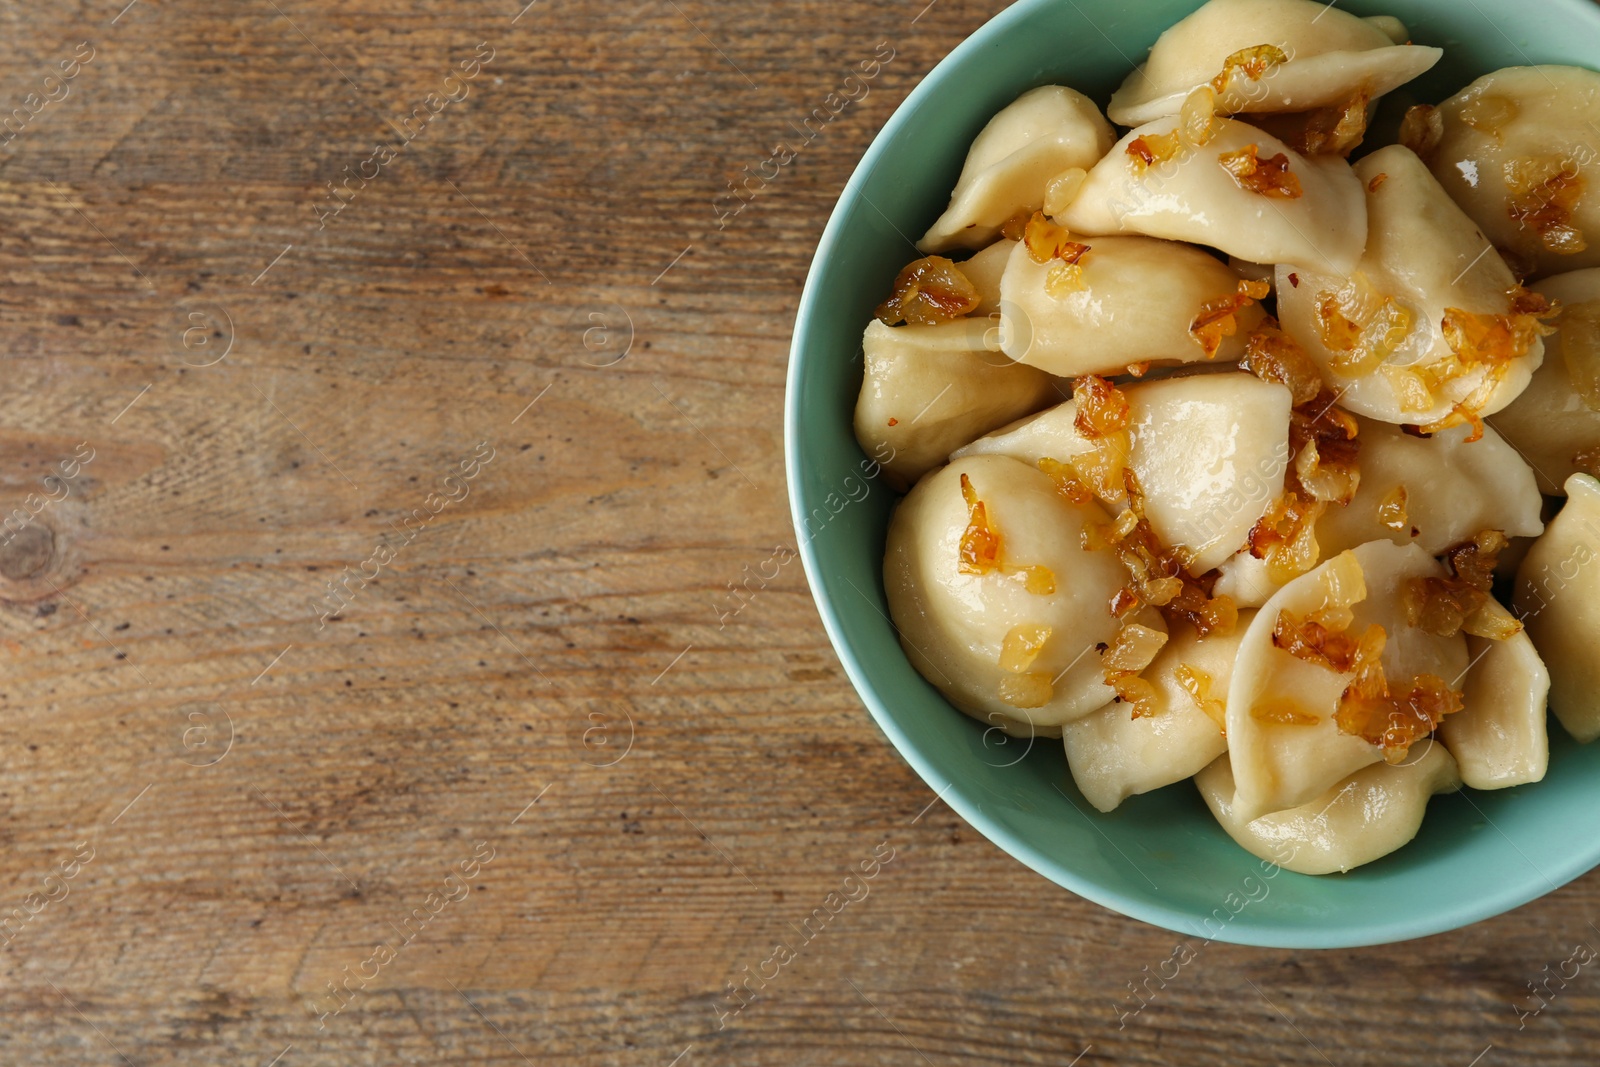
[(507, 398)]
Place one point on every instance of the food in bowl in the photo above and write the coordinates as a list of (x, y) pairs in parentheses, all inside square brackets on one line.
[(1223, 451)]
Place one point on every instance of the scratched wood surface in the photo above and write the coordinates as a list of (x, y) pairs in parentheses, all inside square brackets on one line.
[(517, 789)]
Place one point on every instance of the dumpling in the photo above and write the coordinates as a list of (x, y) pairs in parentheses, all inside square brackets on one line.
[(1429, 320), (1498, 737), (1329, 58), (1285, 743), (1114, 755), (1558, 600), (1435, 492), (1515, 153), (1136, 299), (929, 389), (1209, 450), (1366, 816), (1042, 133), (1552, 421), (1308, 211), (1246, 580), (1445, 488), (984, 270), (997, 602)]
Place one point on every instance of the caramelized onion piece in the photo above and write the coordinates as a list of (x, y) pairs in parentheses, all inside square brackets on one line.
[(1269, 177), (1392, 510), (1490, 342), (1068, 483), (1422, 129), (1021, 646), (1047, 240), (980, 542), (1132, 649), (1461, 601), (1218, 318), (1542, 194), (1391, 718), (1252, 63), (1102, 407), (1063, 190), (1314, 642), (927, 292), (1158, 575), (1198, 684), (1274, 356), (1152, 148), (1361, 326), (1029, 690)]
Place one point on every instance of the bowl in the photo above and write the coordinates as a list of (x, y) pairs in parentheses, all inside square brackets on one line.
[(1160, 857)]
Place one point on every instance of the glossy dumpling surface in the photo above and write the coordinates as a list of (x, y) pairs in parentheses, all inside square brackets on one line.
[(1209, 450), (954, 624), (1366, 816), (1552, 421), (1044, 132), (1192, 196), (1498, 737), (1137, 300), (1113, 755), (1379, 332), (1280, 764), (1444, 487), (929, 389), (1518, 154), (1558, 601), (1331, 57)]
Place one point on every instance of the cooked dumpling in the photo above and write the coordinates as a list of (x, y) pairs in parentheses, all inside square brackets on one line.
[(1498, 737), (1366, 816), (996, 600), (1435, 492), (984, 270), (1429, 320), (1287, 746), (1516, 153), (1209, 450), (1246, 580), (1329, 57), (1044, 132), (1114, 755), (1553, 420), (1558, 600), (1135, 299), (1307, 211), (929, 389)]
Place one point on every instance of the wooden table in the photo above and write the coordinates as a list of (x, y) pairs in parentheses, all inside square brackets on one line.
[(520, 787)]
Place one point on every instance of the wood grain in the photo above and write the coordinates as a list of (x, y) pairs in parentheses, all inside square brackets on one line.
[(541, 667)]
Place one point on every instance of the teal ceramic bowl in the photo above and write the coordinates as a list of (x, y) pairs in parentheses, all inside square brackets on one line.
[(1159, 857)]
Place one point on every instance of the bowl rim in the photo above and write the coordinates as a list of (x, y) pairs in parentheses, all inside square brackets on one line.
[(1244, 929)]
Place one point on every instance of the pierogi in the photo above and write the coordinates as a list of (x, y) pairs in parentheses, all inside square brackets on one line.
[(929, 389), (1137, 299), (1012, 642), (1555, 422), (1365, 817), (1044, 132), (1324, 57), (1517, 152), (1209, 452), (1430, 325), (1312, 213)]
